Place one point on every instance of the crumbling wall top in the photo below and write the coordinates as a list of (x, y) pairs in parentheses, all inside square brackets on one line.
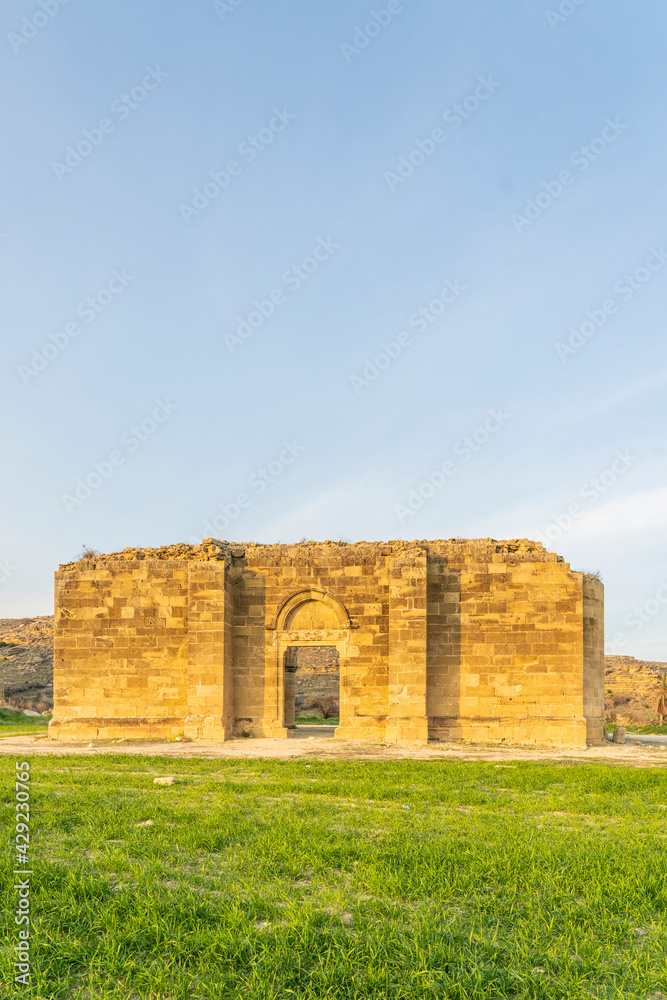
[(214, 549), (210, 549)]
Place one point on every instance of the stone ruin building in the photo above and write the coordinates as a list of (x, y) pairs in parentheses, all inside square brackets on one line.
[(453, 640)]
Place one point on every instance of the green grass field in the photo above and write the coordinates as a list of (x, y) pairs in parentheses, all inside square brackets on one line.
[(643, 730), (342, 879), (12, 724), (315, 720)]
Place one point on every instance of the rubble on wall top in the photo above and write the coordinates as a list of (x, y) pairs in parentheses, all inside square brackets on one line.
[(210, 549), (214, 549)]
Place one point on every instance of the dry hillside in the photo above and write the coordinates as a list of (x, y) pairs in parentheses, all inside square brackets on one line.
[(631, 689), (26, 668), (26, 662)]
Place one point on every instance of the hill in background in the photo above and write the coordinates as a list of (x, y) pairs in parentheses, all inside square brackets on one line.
[(26, 662), (631, 689)]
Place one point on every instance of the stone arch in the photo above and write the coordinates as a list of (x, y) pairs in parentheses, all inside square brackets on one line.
[(292, 604), (308, 617)]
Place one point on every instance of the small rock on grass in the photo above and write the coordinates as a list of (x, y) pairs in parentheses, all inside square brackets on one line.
[(145, 822)]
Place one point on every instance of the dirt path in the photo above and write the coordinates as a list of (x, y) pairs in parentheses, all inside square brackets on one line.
[(326, 748)]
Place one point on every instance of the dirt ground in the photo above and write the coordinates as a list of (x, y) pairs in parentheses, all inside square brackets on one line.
[(327, 748)]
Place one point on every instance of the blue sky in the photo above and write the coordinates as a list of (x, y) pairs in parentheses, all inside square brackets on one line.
[(436, 241)]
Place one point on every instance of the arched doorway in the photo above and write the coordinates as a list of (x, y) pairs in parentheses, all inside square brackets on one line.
[(312, 689), (308, 621)]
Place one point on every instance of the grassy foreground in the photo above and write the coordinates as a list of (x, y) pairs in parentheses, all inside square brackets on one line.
[(342, 879)]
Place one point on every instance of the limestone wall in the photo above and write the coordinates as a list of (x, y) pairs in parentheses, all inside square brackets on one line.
[(210, 697), (356, 577), (477, 640), (594, 661), (120, 650), (407, 717), (505, 644)]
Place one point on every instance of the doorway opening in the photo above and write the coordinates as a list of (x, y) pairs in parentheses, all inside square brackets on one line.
[(312, 690)]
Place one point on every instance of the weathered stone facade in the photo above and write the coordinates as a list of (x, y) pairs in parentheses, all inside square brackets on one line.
[(474, 640)]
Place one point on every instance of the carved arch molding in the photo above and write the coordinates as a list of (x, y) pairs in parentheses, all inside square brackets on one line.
[(291, 603)]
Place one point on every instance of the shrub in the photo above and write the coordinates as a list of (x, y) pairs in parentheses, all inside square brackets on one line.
[(86, 553), (327, 706)]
